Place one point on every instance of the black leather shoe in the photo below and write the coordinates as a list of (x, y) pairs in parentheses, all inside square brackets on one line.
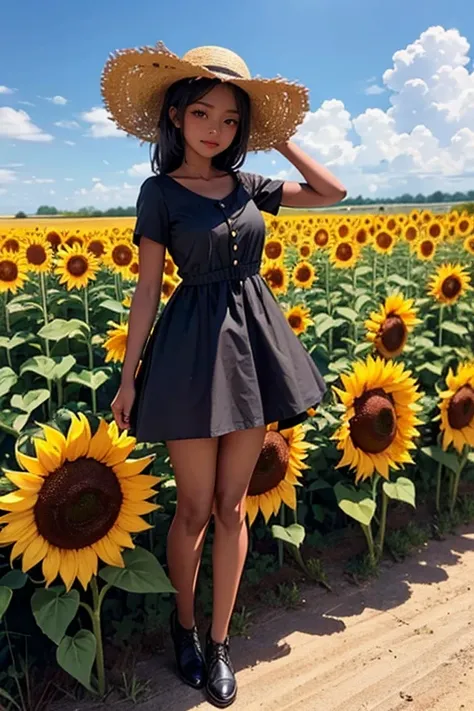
[(189, 657), (221, 684)]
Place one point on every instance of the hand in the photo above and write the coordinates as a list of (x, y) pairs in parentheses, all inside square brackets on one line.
[(282, 147), (122, 404)]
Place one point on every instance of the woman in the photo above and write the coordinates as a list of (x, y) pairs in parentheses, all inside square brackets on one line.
[(221, 361)]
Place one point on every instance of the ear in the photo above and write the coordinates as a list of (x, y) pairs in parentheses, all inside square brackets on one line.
[(173, 112)]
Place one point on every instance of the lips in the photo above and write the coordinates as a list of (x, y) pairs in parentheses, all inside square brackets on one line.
[(211, 144)]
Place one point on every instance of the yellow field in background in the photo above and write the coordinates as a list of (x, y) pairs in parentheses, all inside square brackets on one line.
[(65, 223)]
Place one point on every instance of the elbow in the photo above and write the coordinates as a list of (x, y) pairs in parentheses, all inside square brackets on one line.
[(340, 194)]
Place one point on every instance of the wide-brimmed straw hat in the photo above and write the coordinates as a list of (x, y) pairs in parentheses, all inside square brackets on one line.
[(134, 82)]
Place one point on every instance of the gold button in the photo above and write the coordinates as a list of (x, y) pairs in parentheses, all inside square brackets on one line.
[(234, 233), (235, 262), (235, 247)]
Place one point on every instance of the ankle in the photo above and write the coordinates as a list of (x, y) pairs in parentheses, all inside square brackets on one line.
[(217, 638)]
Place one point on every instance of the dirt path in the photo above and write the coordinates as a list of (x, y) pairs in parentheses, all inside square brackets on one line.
[(405, 641)]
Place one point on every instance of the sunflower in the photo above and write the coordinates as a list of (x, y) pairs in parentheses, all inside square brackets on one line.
[(425, 249), (78, 500), (435, 229), (391, 223), (299, 319), (457, 408), (361, 236), (97, 246), (277, 472), (38, 254), (449, 283), (119, 256), (305, 250), (76, 266), (468, 244), (378, 425), (274, 248), (127, 301), (54, 239), (304, 275), (383, 242), (343, 230), (464, 226), (76, 239), (168, 287), (388, 329), (169, 268), (116, 343), (275, 275), (344, 254), (13, 271), (321, 237), (11, 244), (133, 271)]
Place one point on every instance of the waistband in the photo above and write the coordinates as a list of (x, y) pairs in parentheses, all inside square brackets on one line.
[(238, 273)]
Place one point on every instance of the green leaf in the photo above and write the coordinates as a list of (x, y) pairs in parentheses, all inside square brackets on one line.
[(18, 339), (90, 379), (5, 596), (455, 328), (347, 313), (54, 610), (319, 512), (14, 579), (422, 342), (30, 400), (5, 695), (448, 459), (60, 328), (8, 379), (318, 484), (76, 655), (113, 305), (402, 489), (435, 368), (355, 504), (292, 535), (363, 271), (397, 279), (363, 348), (142, 573), (361, 301), (49, 368)]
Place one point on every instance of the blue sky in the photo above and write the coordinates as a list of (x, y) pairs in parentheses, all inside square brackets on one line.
[(384, 124)]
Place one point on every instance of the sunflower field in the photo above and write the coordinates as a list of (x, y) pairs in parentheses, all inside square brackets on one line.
[(383, 303)]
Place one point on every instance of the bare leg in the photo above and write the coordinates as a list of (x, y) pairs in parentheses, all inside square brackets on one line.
[(237, 456), (194, 466)]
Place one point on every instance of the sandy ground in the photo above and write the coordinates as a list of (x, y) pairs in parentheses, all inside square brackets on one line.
[(404, 641)]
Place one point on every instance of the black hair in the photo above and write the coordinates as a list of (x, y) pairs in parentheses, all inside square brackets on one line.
[(168, 154)]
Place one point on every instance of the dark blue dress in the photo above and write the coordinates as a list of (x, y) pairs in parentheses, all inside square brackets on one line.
[(222, 355)]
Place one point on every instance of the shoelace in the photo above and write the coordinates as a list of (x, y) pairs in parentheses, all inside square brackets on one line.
[(219, 652), (187, 637)]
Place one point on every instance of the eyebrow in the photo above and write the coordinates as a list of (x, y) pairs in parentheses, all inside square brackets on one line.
[(211, 106)]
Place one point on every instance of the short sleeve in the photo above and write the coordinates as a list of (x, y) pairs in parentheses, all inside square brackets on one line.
[(265, 192), (152, 214)]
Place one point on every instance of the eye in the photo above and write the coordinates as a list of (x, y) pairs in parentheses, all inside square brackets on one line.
[(198, 113), (231, 122)]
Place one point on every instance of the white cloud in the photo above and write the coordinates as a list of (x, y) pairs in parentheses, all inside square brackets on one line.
[(140, 170), (58, 100), (26, 103), (106, 195), (7, 176), (374, 90), (52, 192), (6, 90), (423, 142), (105, 162), (18, 124), (69, 180), (70, 143), (96, 180), (38, 181), (101, 124), (67, 124)]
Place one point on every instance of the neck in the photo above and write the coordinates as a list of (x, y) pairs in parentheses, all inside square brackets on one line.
[(197, 166)]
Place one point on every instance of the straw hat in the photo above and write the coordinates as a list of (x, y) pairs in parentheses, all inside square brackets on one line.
[(134, 83)]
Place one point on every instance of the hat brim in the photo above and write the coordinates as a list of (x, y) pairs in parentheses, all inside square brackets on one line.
[(134, 83)]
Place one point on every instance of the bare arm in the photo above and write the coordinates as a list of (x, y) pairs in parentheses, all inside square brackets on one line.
[(321, 188), (144, 304)]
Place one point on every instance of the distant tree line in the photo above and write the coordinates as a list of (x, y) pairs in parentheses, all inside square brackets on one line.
[(437, 197)]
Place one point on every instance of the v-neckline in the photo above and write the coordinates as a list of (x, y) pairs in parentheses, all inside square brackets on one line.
[(234, 174)]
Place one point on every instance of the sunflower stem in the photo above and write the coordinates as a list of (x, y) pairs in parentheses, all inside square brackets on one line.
[(280, 543), (439, 474), (385, 268), (374, 273), (370, 542), (97, 599), (383, 525), (46, 341), (15, 674), (9, 430), (457, 477), (440, 325), (329, 309), (89, 347), (7, 325), (409, 265), (354, 284)]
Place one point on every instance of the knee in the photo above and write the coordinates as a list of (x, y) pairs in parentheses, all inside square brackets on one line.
[(229, 513), (193, 515)]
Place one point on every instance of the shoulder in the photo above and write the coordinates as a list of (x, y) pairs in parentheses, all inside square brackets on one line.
[(152, 184)]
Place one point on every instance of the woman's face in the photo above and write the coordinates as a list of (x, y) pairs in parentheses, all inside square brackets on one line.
[(211, 123)]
